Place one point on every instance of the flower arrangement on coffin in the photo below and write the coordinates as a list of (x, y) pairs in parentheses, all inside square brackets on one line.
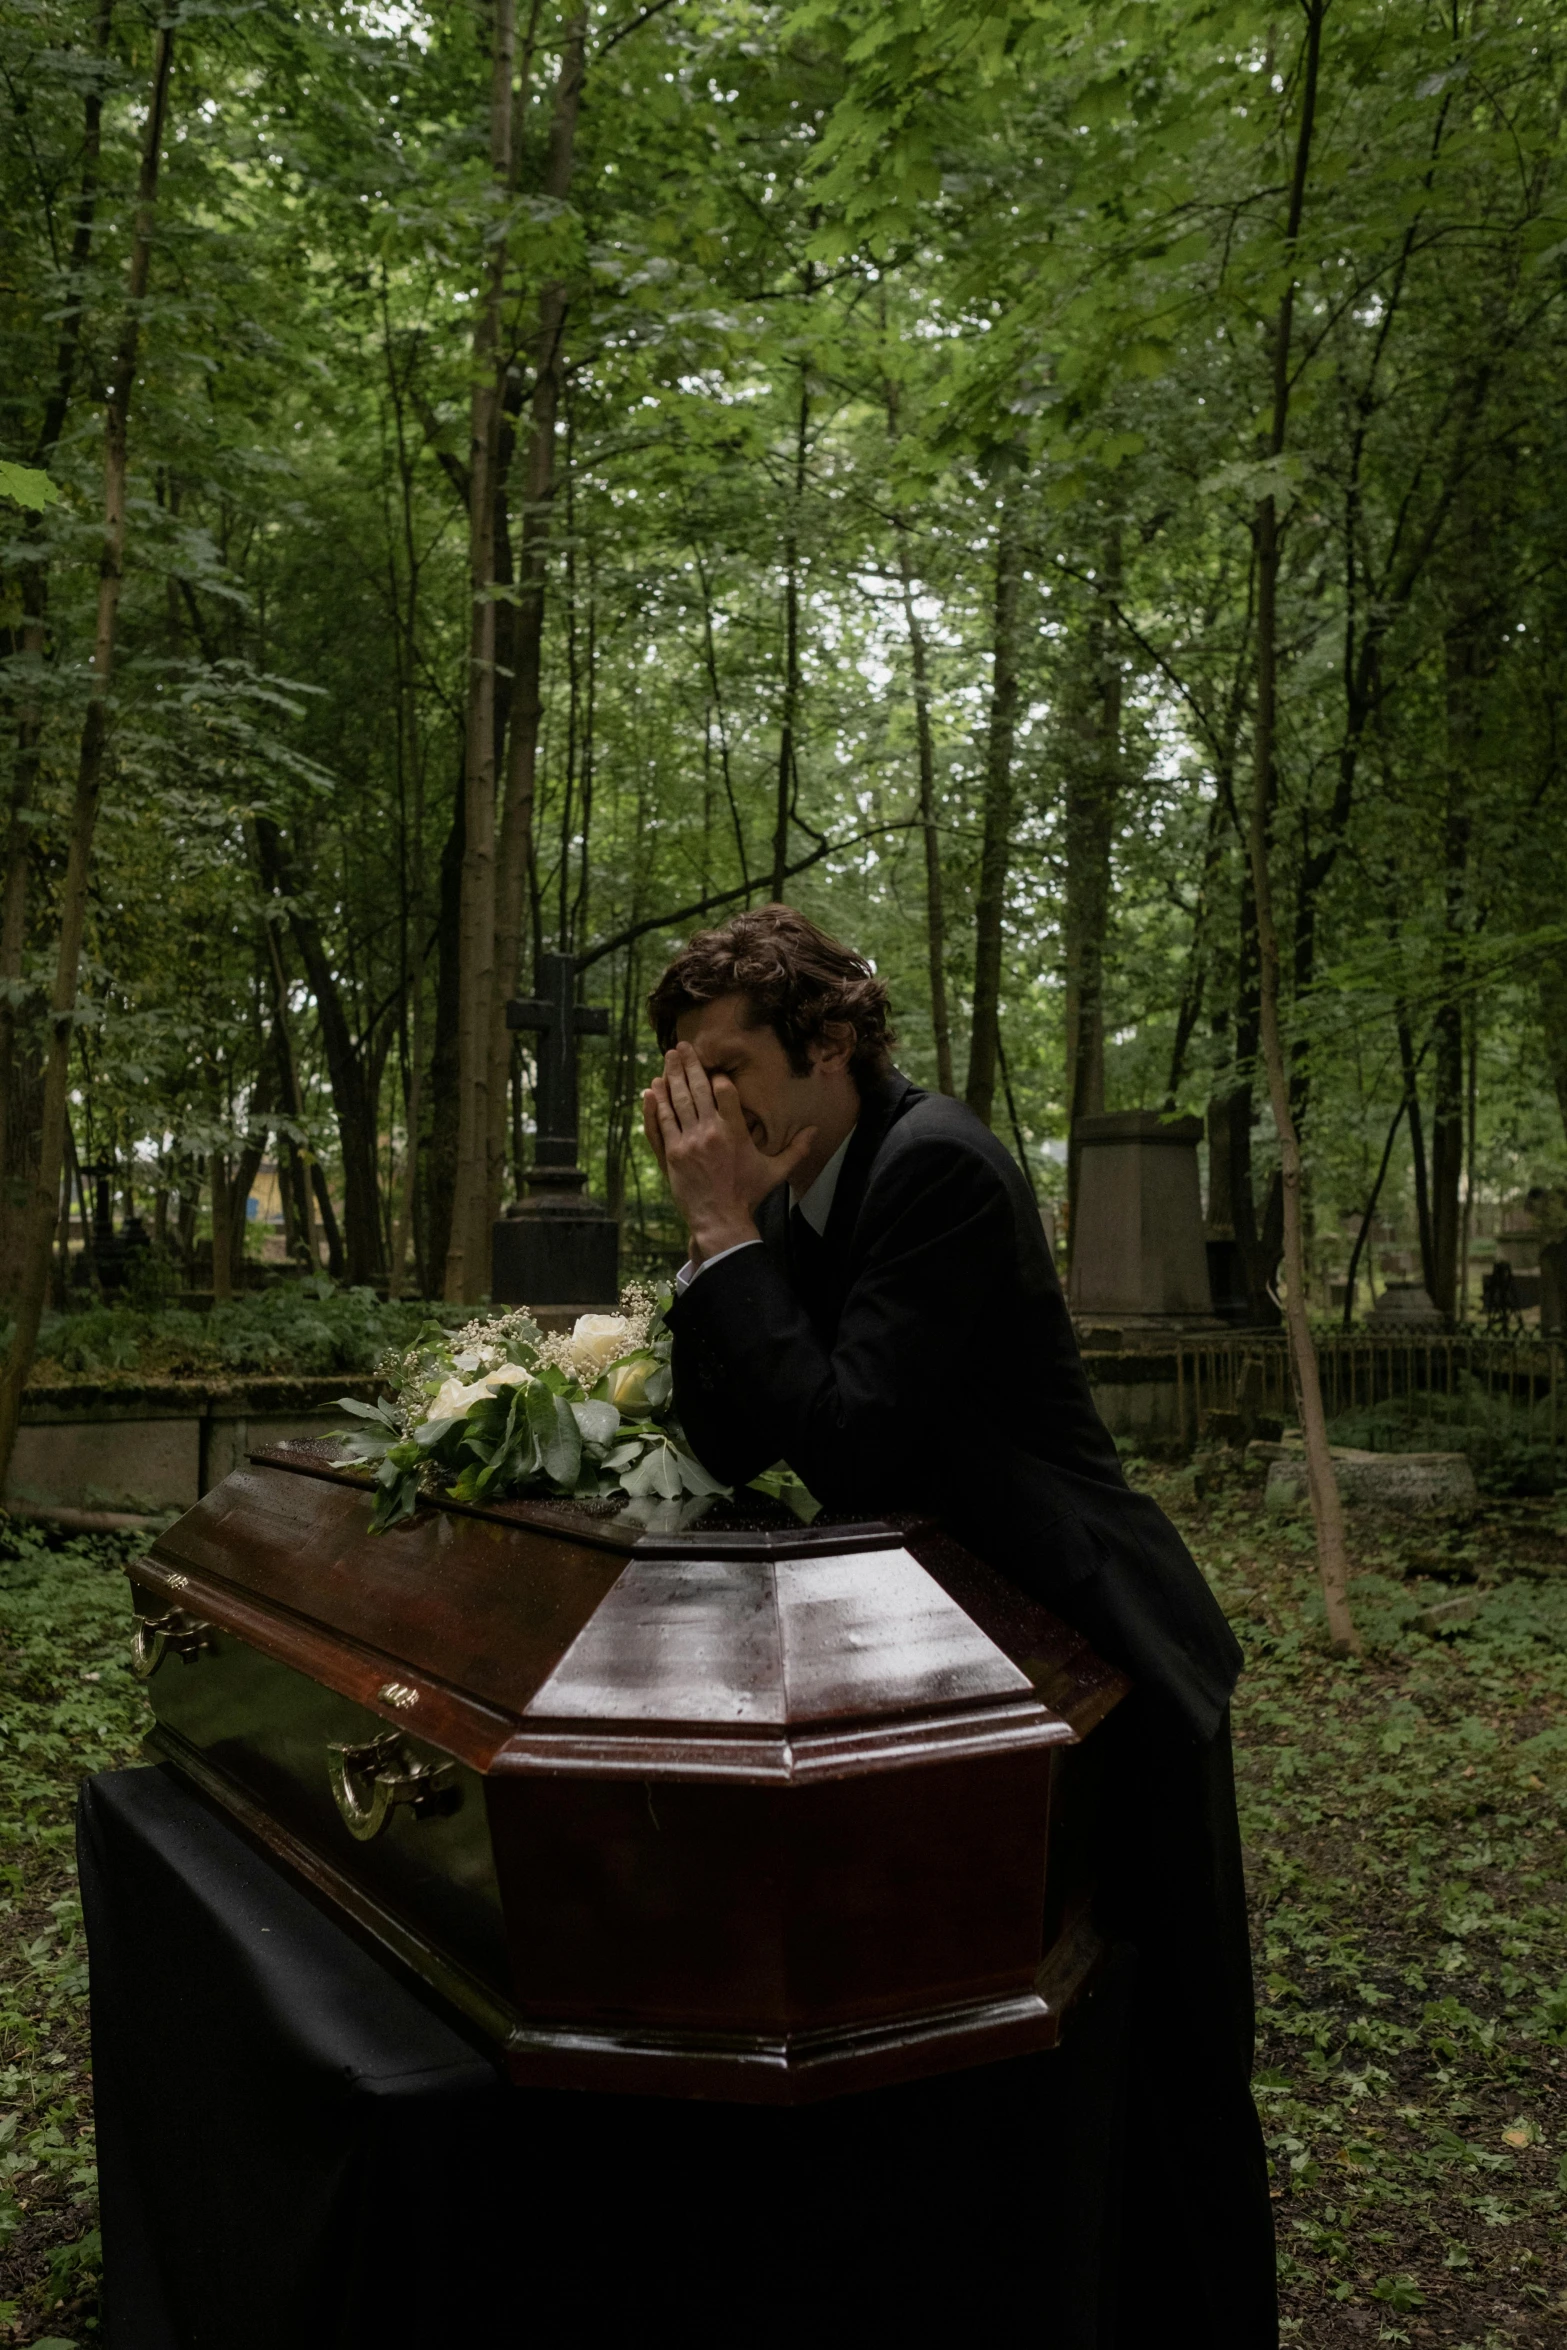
[(499, 1408)]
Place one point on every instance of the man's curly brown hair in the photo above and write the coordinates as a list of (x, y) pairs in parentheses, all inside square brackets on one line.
[(797, 980)]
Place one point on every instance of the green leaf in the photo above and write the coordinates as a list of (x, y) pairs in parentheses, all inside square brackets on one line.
[(433, 1432), (694, 1477), (368, 1411), (597, 1422), (539, 1404), (563, 1453), (1398, 2293), (25, 486), (655, 1477)]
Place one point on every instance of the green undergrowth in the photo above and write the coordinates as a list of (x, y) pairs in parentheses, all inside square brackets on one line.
[(68, 1705), (1408, 1866), (308, 1328)]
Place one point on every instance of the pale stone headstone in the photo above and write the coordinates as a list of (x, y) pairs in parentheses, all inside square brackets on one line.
[(1440, 1482), (1139, 1249)]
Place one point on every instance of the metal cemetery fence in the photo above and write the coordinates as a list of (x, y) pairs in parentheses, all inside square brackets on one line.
[(1500, 1400)]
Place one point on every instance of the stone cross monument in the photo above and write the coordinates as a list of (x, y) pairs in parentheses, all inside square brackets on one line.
[(557, 1247)]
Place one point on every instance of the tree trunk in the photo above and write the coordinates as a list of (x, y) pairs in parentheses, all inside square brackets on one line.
[(1552, 984), (1326, 1506), (1232, 1199), (353, 1071), (1464, 660), (1409, 1068), (222, 1228), (514, 872), (935, 905), (1362, 1237), (402, 1224), (1093, 748), (996, 841), (467, 1267), (624, 1090), (439, 1180), (1194, 984), (44, 1206), (716, 697), (302, 1219), (21, 1061), (789, 717)]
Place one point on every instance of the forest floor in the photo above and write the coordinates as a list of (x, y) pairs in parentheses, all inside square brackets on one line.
[(1407, 1848)]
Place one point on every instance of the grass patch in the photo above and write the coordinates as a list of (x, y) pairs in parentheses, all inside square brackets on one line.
[(1408, 1867)]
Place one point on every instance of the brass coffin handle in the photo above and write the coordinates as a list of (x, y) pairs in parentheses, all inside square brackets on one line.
[(173, 1634), (370, 1778)]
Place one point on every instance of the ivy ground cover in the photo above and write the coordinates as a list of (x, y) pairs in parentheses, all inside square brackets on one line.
[(1408, 1867)]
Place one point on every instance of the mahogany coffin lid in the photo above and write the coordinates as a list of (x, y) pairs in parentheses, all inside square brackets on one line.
[(550, 1647)]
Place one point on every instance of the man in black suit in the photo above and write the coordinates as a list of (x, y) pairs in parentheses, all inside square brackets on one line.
[(870, 1298)]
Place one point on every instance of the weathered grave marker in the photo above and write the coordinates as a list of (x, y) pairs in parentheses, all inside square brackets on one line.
[(1139, 1253)]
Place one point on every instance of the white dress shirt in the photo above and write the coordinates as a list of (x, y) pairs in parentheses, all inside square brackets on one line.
[(815, 1207)]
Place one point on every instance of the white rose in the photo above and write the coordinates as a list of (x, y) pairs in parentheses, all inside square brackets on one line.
[(453, 1398), (628, 1383), (449, 1402), (596, 1341)]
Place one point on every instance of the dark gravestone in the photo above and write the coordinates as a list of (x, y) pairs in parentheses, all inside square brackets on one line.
[(557, 1247)]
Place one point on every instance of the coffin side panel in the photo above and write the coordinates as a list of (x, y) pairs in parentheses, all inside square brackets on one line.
[(266, 1729), (759, 1908)]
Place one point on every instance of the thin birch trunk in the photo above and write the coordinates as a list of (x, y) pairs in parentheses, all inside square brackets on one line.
[(1327, 1508), (89, 782), (467, 1267)]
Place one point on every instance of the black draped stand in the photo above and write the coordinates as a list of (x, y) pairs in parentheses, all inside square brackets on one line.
[(298, 2147)]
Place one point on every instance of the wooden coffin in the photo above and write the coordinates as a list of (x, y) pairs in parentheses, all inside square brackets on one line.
[(751, 1811)]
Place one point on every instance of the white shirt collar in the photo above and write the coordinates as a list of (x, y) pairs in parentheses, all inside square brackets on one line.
[(816, 1206)]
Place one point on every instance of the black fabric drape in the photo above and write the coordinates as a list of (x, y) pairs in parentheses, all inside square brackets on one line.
[(299, 2151)]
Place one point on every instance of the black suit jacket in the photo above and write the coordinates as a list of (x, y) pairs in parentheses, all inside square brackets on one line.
[(921, 1357)]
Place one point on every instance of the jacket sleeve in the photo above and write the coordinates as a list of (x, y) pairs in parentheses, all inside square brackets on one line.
[(884, 1412)]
